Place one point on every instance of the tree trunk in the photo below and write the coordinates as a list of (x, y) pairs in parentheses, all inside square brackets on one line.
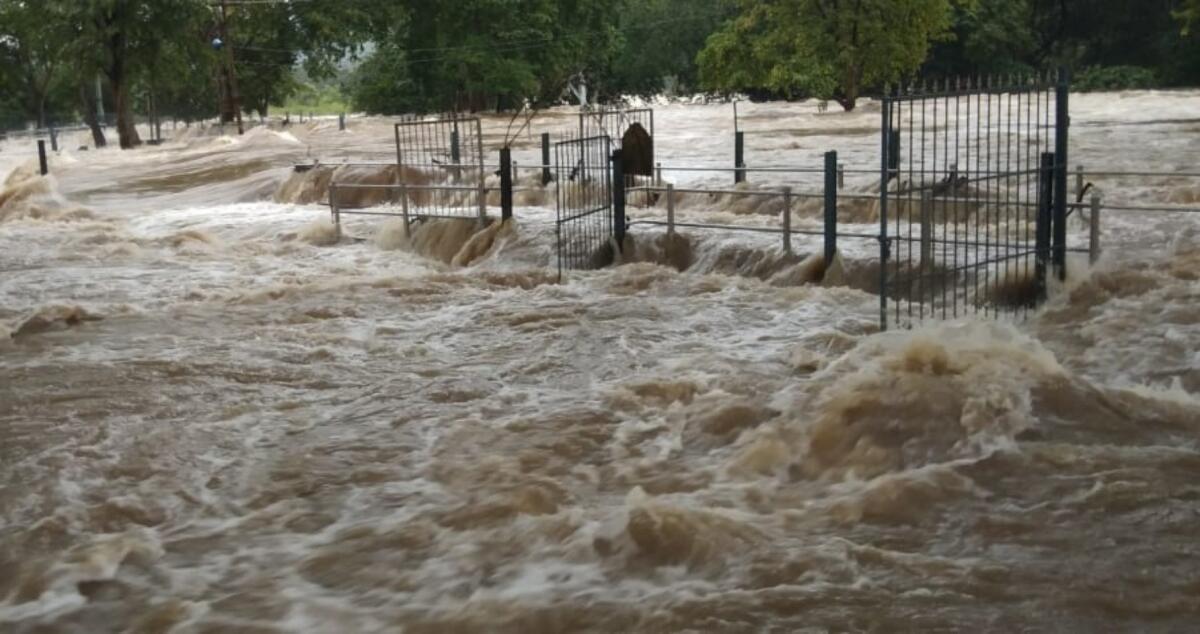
[(126, 127), (847, 94), (91, 114)]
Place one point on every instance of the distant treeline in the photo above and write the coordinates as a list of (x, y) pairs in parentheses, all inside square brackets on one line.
[(71, 58)]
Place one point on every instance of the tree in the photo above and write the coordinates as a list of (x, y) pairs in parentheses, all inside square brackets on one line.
[(659, 41), (828, 48), (1189, 14), (434, 56), (126, 39), (32, 48)]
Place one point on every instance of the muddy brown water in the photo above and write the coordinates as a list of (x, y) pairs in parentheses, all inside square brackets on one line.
[(213, 418)]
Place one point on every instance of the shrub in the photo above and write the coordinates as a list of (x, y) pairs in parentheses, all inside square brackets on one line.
[(1100, 78)]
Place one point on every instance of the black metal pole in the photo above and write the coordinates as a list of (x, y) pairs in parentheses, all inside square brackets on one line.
[(885, 156), (506, 184), (893, 157), (342, 122), (1062, 124), (545, 159), (739, 157), (618, 193), (42, 157), (831, 199), (53, 139)]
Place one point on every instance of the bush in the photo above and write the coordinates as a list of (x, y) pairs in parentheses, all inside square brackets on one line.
[(1101, 78)]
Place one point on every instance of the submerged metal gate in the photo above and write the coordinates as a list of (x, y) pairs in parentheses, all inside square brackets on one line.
[(973, 208), (441, 167), (584, 202)]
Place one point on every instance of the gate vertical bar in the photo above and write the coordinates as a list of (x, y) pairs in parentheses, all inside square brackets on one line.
[(885, 156), (506, 184), (455, 151), (739, 157), (545, 159), (832, 173), (1062, 124), (1045, 216), (618, 194)]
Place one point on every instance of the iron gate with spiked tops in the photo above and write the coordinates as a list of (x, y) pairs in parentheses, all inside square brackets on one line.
[(441, 167), (584, 203), (613, 122), (973, 203)]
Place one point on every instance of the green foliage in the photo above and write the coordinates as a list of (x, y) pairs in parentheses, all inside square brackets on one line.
[(1101, 78), (32, 53), (823, 47), (659, 40), (1189, 15), (421, 55), (315, 98), (434, 56)]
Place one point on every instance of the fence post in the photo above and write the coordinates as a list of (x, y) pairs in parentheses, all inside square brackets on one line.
[(1094, 230), (832, 171), (506, 183), (516, 172), (1079, 183), (545, 159), (841, 175), (42, 157), (482, 195), (455, 153), (1045, 215), (342, 122), (618, 193), (1062, 123), (926, 229), (670, 210), (404, 208), (53, 139), (658, 174), (739, 157), (333, 209), (787, 220)]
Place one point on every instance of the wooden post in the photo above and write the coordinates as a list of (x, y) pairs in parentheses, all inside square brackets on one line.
[(1094, 230)]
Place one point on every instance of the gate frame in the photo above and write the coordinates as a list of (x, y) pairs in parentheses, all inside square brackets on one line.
[(429, 143), (1050, 244), (570, 207)]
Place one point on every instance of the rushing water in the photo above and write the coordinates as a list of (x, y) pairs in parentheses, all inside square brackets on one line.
[(212, 419)]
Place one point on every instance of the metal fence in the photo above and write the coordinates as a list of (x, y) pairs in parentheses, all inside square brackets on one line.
[(585, 220), (973, 205)]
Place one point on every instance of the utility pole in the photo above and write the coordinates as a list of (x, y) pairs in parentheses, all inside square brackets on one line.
[(230, 74)]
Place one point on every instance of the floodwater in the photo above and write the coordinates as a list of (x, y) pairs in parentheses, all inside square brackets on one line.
[(214, 417)]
